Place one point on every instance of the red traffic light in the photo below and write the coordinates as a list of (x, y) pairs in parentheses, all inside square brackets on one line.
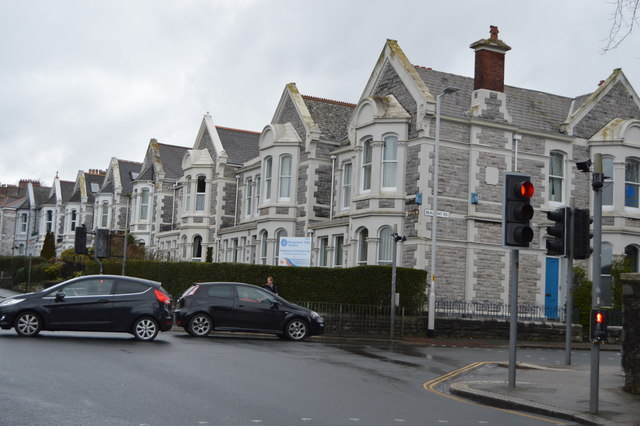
[(599, 317), (526, 189)]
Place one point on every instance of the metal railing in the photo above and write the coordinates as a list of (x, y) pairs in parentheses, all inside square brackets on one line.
[(493, 310), (342, 318)]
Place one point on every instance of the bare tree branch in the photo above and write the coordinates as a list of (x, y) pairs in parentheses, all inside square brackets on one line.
[(624, 19)]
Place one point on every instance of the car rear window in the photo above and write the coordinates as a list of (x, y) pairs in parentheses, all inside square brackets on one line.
[(222, 291), (130, 287)]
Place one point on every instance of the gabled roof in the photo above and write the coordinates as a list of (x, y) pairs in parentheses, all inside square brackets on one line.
[(162, 159), (120, 174), (240, 145)]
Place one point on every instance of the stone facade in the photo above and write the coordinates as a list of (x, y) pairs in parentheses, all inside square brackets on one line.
[(631, 332)]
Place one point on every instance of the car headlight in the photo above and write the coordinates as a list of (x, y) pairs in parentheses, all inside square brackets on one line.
[(9, 302), (316, 316)]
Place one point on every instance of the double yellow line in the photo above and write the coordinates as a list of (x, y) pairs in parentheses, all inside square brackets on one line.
[(431, 386)]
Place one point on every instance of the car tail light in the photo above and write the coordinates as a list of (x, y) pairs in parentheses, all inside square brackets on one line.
[(193, 290), (162, 297)]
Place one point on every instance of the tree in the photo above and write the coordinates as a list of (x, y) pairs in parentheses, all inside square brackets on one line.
[(49, 246), (624, 19)]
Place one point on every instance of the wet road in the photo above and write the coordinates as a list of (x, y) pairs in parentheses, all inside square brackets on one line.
[(110, 379)]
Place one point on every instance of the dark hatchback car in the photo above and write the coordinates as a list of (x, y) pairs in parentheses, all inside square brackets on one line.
[(92, 303), (205, 307)]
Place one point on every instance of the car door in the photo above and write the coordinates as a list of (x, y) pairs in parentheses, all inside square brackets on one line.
[(220, 299), (81, 305), (256, 309)]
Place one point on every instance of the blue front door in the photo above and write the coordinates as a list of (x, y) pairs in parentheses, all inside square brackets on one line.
[(551, 288)]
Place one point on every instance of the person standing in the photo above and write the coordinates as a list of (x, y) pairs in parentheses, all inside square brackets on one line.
[(271, 286)]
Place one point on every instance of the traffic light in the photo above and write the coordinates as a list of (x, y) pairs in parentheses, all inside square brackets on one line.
[(581, 234), (80, 240), (102, 243), (517, 210), (558, 245), (598, 326)]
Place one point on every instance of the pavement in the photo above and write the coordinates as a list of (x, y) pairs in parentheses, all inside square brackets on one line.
[(559, 392)]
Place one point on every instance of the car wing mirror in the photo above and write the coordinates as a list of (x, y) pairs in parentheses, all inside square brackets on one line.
[(275, 304), (60, 296)]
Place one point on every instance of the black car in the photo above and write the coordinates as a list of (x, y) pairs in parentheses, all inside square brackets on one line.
[(205, 307), (92, 303)]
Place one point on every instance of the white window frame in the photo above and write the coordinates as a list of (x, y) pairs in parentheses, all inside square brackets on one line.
[(104, 215), (24, 220), (264, 235), (200, 194), (556, 181), (144, 204), (285, 177), (389, 164), (323, 251), (268, 175), (347, 179), (632, 182), (248, 197), (366, 170), (363, 249), (257, 194), (48, 221), (385, 246), (608, 185), (280, 233), (338, 253), (73, 219)]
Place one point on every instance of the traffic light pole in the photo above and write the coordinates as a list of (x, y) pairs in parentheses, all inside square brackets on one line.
[(596, 184), (569, 311), (513, 316)]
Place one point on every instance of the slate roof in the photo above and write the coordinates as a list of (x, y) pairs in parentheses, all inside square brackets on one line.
[(171, 156), (129, 171), (530, 109), (89, 178), (240, 145), (332, 117), (41, 195)]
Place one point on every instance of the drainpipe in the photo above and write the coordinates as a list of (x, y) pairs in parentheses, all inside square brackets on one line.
[(333, 173), (235, 210)]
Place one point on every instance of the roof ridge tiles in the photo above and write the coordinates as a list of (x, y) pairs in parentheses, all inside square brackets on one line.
[(237, 130), (331, 101)]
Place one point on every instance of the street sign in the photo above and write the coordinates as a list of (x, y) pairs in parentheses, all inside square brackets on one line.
[(440, 213)]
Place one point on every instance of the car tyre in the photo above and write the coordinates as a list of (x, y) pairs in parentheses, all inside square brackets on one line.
[(200, 325), (28, 324), (296, 329), (145, 329)]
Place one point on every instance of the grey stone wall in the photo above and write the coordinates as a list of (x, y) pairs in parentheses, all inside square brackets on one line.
[(409, 256), (453, 173), (618, 103), (490, 274), (166, 207), (496, 138), (528, 278), (303, 178), (451, 270), (387, 204), (364, 204), (390, 83), (531, 145), (412, 170), (631, 332), (323, 190)]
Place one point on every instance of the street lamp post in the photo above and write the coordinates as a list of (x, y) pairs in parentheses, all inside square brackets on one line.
[(436, 161)]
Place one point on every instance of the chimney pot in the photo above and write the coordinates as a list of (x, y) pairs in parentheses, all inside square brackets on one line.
[(489, 64)]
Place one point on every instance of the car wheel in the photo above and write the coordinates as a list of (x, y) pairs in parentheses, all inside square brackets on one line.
[(28, 324), (296, 329), (200, 325), (145, 329)]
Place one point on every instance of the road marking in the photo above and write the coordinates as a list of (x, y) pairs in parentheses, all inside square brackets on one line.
[(431, 384)]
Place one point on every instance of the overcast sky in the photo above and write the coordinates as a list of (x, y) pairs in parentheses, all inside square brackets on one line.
[(84, 81)]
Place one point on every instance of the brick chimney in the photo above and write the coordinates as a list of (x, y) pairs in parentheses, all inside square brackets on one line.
[(489, 73)]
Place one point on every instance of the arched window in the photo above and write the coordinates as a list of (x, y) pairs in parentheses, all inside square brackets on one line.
[(201, 189), (263, 247), (268, 169), (556, 176), (389, 162), (285, 178), (607, 189), (144, 204), (280, 233), (197, 247), (631, 182), (385, 246), (362, 246), (367, 158), (346, 185), (631, 252)]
